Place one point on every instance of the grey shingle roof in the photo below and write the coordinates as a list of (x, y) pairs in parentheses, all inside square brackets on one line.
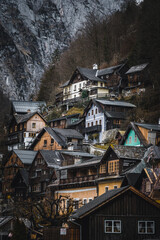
[(24, 106), (65, 84), (52, 158), (4, 220), (107, 71), (90, 74), (77, 153), (119, 115), (153, 127), (59, 139), (115, 103), (65, 117), (26, 156), (129, 152), (68, 133), (96, 202), (137, 68)]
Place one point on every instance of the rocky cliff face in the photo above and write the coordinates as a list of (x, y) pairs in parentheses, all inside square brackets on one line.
[(31, 31)]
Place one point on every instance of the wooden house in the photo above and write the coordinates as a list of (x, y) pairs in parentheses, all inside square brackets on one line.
[(137, 79), (23, 128), (141, 134), (119, 214), (57, 139), (20, 185), (84, 180), (43, 167), (64, 122), (102, 115), (17, 159), (81, 84), (145, 175)]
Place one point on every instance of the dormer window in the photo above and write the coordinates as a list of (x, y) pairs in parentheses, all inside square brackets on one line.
[(33, 125)]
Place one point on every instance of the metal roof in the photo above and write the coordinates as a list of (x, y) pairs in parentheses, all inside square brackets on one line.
[(68, 133), (118, 115), (90, 74), (107, 71), (20, 118), (77, 153), (26, 156), (115, 103), (137, 68), (25, 106), (52, 158), (153, 127)]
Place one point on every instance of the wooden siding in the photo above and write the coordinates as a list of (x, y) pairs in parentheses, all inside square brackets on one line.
[(71, 234), (129, 208), (40, 145), (40, 123)]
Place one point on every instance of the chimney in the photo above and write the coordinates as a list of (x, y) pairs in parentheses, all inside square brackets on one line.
[(95, 66)]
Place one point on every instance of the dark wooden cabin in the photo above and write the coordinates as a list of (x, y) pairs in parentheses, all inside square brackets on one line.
[(120, 214)]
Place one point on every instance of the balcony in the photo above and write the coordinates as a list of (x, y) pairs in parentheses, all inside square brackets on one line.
[(78, 179), (96, 128)]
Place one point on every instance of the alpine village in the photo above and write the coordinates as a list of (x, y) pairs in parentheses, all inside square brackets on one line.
[(85, 165)]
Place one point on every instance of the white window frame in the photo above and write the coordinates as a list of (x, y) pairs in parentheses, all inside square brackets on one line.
[(84, 200), (146, 232), (116, 220), (106, 187)]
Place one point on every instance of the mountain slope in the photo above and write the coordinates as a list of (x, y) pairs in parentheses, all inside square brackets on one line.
[(32, 31)]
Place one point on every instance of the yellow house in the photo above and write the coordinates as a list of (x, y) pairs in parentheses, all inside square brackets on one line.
[(86, 180)]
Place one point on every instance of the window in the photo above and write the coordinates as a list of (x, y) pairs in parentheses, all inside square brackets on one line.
[(21, 126), (135, 138), (96, 122), (96, 110), (148, 187), (112, 226), (15, 128), (102, 168), (146, 227), (88, 124), (115, 187), (106, 189), (80, 86), (90, 199), (92, 112), (74, 87), (52, 141), (100, 122), (89, 114), (91, 123), (101, 84), (113, 166), (130, 140), (76, 204), (84, 201), (33, 125), (45, 143), (24, 135)]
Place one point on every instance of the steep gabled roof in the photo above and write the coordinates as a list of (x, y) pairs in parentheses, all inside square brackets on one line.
[(21, 118), (140, 136), (59, 135), (26, 156), (126, 152), (106, 198), (115, 103), (137, 68), (52, 158), (152, 127), (24, 106), (109, 70)]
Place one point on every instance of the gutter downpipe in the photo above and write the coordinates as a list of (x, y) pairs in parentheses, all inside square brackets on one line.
[(80, 226)]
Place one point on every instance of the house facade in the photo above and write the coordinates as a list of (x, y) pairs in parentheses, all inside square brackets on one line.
[(102, 115), (123, 213), (84, 180), (57, 139), (23, 129), (17, 159), (141, 134), (65, 121)]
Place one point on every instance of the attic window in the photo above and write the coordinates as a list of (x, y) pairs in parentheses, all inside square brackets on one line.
[(33, 125), (45, 143), (52, 141)]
